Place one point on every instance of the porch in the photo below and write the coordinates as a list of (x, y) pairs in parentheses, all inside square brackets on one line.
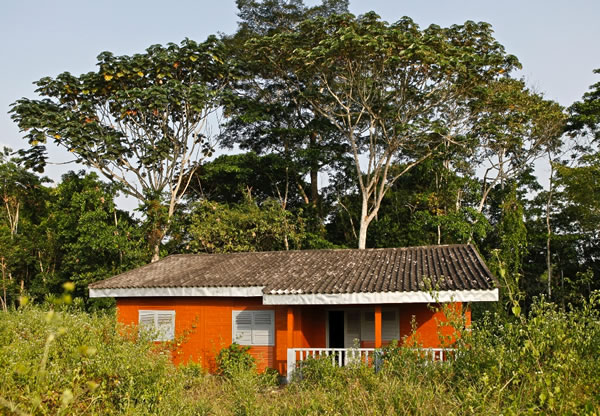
[(355, 333), (345, 356)]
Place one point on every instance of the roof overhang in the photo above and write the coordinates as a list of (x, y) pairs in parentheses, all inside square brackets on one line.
[(382, 297), (303, 298), (224, 291)]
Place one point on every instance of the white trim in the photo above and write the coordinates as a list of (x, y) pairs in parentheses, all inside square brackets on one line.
[(303, 299), (230, 291), (383, 297)]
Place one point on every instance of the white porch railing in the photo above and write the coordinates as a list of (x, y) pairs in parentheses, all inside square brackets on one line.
[(345, 356)]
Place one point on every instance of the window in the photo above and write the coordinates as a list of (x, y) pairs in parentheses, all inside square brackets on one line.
[(390, 326), (161, 324), (253, 327)]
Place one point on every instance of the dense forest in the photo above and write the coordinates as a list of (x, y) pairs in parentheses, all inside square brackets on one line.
[(307, 128)]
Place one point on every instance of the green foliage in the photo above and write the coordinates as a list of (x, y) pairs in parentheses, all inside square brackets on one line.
[(139, 120), (24, 206), (69, 362), (233, 178), (70, 233), (234, 359), (585, 114), (74, 363), (221, 228), (541, 364), (582, 190), (92, 239)]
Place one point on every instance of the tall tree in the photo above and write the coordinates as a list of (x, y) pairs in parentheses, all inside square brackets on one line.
[(263, 114), (24, 201), (585, 114), (383, 87), (514, 126), (89, 238), (139, 120)]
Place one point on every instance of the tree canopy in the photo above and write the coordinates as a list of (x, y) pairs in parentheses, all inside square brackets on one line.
[(348, 131), (140, 120)]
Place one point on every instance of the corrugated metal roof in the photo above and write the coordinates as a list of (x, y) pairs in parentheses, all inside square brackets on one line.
[(447, 267)]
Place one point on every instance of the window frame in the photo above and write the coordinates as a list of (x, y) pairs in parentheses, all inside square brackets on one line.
[(253, 327), (158, 334)]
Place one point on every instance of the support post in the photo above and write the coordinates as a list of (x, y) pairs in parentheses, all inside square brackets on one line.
[(291, 355), (378, 326), (291, 363)]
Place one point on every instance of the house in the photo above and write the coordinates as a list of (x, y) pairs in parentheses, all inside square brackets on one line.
[(286, 304)]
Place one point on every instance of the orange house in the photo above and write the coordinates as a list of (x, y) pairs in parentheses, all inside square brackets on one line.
[(288, 304)]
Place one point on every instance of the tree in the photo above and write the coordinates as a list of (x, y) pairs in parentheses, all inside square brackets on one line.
[(222, 228), (139, 120), (584, 116), (430, 204), (90, 239), (24, 206), (234, 178), (514, 126), (264, 115), (383, 87)]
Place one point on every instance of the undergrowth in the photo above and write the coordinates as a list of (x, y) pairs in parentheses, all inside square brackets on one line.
[(70, 362)]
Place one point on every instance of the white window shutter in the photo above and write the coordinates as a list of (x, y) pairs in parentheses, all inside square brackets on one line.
[(352, 328), (253, 327), (242, 327), (165, 324), (262, 330), (390, 326), (368, 326), (161, 324), (146, 320)]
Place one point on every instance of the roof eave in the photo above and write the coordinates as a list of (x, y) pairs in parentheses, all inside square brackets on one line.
[(134, 292), (441, 296), (361, 298)]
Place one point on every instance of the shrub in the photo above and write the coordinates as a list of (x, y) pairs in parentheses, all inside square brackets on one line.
[(70, 362), (75, 363), (233, 359)]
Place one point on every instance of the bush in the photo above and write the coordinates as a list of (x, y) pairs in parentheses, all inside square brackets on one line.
[(70, 362), (233, 359), (75, 363)]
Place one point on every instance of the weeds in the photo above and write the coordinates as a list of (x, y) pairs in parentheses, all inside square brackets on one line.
[(69, 362)]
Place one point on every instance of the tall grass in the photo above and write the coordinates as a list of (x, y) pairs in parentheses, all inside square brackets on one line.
[(75, 363)]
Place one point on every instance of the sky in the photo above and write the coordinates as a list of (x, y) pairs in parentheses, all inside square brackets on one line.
[(556, 41)]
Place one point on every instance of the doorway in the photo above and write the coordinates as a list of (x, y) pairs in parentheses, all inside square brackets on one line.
[(336, 329)]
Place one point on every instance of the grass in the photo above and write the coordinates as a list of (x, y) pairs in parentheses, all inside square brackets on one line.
[(71, 362)]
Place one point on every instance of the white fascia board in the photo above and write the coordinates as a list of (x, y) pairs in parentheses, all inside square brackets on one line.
[(382, 297), (225, 291)]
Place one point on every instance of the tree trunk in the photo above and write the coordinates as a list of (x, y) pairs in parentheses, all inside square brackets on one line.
[(314, 177), (156, 252), (4, 297), (364, 225), (549, 229), (314, 186)]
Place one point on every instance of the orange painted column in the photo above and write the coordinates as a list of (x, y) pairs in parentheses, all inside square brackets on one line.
[(290, 327), (377, 326)]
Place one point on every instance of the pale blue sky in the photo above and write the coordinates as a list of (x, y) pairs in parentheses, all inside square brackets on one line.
[(556, 41)]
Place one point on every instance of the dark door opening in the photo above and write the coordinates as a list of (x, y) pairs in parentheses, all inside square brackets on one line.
[(336, 329)]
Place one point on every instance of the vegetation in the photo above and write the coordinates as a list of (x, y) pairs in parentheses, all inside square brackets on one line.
[(70, 362), (357, 133), (350, 123)]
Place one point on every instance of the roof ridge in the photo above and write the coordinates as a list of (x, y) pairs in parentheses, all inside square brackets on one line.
[(312, 250)]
